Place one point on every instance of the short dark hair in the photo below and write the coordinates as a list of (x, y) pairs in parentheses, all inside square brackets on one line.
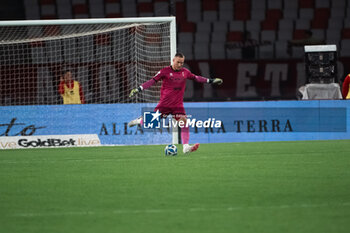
[(179, 55)]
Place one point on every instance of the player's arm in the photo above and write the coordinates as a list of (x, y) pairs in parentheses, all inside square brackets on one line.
[(201, 79), (81, 93), (146, 85)]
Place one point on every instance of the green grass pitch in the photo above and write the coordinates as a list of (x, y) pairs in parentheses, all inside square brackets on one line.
[(233, 187)]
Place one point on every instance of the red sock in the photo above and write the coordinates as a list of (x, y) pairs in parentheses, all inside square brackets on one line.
[(185, 135)]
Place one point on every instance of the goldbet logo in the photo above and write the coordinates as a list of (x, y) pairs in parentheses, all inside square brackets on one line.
[(52, 142), (49, 141)]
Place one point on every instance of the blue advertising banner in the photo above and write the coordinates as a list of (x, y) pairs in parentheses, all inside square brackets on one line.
[(277, 121), (239, 121), (108, 121)]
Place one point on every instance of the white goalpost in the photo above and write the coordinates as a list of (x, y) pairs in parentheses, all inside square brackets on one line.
[(108, 57)]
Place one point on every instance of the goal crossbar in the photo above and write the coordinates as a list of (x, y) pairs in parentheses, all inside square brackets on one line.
[(135, 20), (86, 21)]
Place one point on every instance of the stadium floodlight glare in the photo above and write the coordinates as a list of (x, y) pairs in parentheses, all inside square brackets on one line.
[(108, 57)]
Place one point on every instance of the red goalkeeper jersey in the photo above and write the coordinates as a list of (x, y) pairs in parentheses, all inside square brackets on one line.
[(173, 86)]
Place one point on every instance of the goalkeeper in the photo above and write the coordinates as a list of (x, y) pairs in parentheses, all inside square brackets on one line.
[(171, 95)]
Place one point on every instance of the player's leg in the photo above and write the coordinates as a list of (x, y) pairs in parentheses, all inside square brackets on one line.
[(137, 121), (185, 136)]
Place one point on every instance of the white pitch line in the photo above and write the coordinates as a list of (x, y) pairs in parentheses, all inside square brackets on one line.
[(74, 160), (160, 211), (118, 159)]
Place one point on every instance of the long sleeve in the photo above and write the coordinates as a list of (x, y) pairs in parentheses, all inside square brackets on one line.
[(148, 84), (152, 81), (196, 78), (200, 79)]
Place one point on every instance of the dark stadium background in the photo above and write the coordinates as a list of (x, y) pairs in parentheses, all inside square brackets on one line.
[(211, 32)]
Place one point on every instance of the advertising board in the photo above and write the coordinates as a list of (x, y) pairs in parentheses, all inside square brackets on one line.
[(229, 122)]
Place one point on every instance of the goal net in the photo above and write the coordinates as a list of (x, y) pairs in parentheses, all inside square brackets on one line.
[(108, 57)]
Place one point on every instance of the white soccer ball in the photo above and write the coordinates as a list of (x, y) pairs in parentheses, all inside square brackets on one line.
[(170, 150)]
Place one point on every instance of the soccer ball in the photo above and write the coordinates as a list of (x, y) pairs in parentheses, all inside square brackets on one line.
[(170, 150)]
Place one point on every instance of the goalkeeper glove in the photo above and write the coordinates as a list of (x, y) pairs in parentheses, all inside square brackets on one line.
[(217, 81), (134, 92)]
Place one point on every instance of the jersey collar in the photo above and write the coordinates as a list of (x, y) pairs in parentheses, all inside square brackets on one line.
[(175, 70)]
